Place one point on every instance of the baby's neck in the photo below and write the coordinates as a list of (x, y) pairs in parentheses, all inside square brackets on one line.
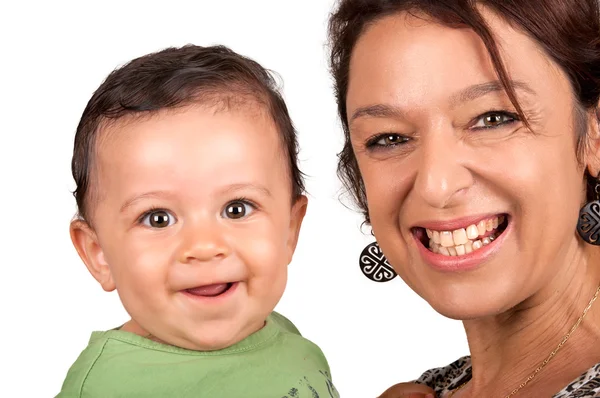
[(132, 326)]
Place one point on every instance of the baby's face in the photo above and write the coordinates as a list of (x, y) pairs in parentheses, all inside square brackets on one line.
[(193, 223)]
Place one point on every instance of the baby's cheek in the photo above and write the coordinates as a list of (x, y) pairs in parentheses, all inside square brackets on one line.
[(149, 264), (267, 267), (141, 271)]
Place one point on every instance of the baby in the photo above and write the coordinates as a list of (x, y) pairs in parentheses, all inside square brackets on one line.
[(190, 203)]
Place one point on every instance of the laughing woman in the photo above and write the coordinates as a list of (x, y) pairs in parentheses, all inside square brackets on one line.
[(473, 148)]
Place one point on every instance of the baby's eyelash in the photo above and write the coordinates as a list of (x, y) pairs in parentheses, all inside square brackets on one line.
[(244, 200), (146, 213)]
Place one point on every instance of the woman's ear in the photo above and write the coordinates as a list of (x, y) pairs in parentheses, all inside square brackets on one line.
[(592, 147), (86, 243)]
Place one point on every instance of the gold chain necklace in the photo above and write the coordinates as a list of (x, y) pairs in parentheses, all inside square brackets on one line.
[(549, 358)]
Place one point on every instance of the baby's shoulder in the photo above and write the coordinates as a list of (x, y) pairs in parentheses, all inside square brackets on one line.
[(277, 358), (299, 361), (291, 338), (118, 363), (73, 385), (283, 323)]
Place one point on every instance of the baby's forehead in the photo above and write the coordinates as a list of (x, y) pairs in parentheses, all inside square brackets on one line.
[(254, 111), (189, 136)]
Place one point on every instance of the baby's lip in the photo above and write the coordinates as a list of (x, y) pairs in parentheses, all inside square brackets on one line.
[(210, 290)]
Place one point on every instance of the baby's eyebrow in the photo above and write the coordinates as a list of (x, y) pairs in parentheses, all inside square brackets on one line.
[(242, 186), (145, 195), (230, 189)]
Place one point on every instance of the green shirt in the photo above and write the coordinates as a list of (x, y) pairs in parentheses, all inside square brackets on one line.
[(276, 362)]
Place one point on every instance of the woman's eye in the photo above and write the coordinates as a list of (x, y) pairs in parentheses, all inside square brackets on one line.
[(388, 140), (493, 119), (237, 209), (158, 219)]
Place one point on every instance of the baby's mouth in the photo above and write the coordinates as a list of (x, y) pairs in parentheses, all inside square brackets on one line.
[(462, 241), (210, 290)]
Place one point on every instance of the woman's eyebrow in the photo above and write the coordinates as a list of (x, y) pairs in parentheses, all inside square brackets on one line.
[(377, 110), (479, 90), (469, 94)]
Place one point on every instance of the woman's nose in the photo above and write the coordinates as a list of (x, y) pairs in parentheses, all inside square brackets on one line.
[(441, 173)]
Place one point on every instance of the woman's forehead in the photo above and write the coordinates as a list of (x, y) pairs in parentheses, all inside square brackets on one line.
[(422, 61)]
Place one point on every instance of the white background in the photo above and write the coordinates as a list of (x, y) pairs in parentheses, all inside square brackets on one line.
[(53, 55)]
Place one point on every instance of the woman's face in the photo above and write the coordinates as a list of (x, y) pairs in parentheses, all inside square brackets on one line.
[(474, 211)]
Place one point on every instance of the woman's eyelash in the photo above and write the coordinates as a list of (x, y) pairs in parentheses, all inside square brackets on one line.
[(505, 118), (372, 143), (509, 116)]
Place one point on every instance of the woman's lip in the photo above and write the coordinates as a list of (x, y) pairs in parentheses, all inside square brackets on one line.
[(465, 262), (450, 225)]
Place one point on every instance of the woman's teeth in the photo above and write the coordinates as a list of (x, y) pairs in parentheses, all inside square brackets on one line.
[(464, 240)]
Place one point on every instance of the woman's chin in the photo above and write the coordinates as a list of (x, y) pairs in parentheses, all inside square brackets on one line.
[(462, 314), (467, 305)]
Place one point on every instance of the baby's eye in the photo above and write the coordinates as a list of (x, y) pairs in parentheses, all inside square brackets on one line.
[(158, 219), (493, 119), (237, 209)]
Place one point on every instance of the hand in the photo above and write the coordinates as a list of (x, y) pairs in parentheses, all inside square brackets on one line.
[(408, 390)]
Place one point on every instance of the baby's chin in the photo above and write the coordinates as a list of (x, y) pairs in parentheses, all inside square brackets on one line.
[(208, 337), (217, 341)]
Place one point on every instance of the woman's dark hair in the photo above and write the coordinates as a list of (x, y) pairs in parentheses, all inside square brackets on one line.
[(568, 30), (177, 77)]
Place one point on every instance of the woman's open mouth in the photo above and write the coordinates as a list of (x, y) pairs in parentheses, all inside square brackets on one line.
[(462, 241)]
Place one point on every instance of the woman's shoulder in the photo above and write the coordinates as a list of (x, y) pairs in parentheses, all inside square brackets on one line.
[(448, 377), (586, 385)]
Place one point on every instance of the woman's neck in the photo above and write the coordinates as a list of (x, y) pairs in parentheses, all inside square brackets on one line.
[(506, 349)]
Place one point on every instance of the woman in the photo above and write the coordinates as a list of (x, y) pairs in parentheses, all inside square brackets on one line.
[(471, 140)]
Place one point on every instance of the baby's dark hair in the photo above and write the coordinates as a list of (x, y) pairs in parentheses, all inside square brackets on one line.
[(176, 77)]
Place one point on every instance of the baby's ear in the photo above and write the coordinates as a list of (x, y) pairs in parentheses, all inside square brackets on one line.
[(297, 215), (86, 243)]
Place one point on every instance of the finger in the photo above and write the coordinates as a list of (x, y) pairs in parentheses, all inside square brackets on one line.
[(407, 390)]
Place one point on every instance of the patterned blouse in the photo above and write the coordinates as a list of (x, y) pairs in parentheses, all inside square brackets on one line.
[(443, 380)]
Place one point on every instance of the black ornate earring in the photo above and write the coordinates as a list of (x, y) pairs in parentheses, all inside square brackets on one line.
[(588, 224), (374, 265)]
